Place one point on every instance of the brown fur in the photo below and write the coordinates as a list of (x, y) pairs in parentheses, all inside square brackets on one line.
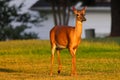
[(67, 37)]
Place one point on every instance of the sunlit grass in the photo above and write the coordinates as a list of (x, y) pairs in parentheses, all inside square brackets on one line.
[(97, 59)]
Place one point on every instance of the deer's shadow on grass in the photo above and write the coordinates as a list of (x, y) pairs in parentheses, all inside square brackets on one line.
[(7, 70)]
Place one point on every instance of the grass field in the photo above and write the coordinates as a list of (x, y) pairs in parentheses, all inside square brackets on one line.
[(97, 59)]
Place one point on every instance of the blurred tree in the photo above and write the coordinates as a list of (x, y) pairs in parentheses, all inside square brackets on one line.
[(9, 14), (88, 2), (115, 13), (61, 10)]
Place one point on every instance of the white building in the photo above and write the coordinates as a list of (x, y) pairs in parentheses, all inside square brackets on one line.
[(98, 18)]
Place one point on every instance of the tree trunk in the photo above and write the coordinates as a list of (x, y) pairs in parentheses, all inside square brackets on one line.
[(115, 15), (67, 18), (59, 14), (61, 17), (54, 12)]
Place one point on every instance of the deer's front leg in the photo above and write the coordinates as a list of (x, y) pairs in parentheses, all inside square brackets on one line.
[(73, 54)]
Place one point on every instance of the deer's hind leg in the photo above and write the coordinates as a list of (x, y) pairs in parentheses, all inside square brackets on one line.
[(53, 48), (59, 61)]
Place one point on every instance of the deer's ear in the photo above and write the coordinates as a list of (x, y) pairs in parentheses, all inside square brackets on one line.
[(84, 9), (74, 10)]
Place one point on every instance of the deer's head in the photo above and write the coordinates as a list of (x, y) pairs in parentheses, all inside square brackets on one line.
[(80, 14)]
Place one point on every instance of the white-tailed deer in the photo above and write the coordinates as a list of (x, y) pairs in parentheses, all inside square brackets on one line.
[(67, 37)]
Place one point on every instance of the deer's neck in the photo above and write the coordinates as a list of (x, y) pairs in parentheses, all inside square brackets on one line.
[(78, 28)]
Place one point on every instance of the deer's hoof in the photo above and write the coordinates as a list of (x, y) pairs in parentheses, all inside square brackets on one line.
[(50, 74), (74, 74), (58, 71)]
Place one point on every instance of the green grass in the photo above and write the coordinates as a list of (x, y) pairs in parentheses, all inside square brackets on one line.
[(97, 59)]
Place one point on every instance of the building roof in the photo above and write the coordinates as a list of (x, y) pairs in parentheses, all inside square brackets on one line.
[(43, 5)]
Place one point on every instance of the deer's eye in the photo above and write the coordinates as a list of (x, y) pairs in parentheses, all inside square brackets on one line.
[(83, 14), (77, 15)]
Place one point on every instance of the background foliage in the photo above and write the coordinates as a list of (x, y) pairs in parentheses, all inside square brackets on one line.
[(11, 15)]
